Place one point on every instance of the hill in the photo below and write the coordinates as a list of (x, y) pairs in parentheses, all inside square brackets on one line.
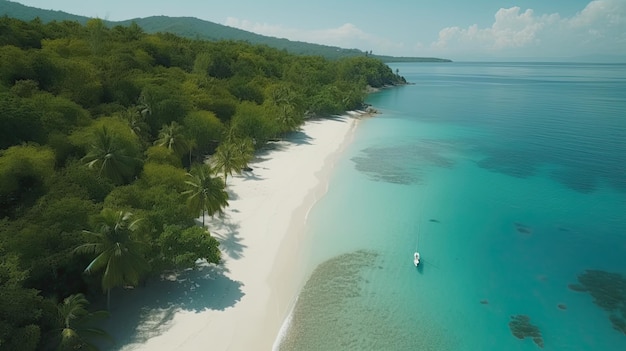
[(195, 28)]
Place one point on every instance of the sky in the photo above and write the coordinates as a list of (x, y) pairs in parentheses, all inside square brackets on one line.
[(461, 30)]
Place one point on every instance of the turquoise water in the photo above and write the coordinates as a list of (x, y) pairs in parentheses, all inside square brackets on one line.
[(511, 181)]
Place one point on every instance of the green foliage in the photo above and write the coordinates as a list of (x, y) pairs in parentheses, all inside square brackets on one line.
[(162, 155), (47, 69), (162, 106), (97, 35), (60, 114), (76, 330), (232, 156), (20, 121), (220, 64), (375, 72), (205, 129), (18, 33), (113, 155), (202, 63), (162, 206), (23, 173), (157, 203), (50, 230), (127, 34), (172, 137), (182, 247), (20, 309), (171, 177), (81, 83), (286, 106), (14, 65), (26, 338), (25, 88), (251, 121), (205, 194), (66, 47), (117, 251), (325, 102), (76, 175), (246, 91), (17, 306), (121, 90)]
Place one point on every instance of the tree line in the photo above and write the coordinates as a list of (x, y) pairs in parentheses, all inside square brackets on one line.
[(104, 134)]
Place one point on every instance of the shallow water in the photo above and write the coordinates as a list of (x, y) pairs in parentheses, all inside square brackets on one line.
[(510, 179)]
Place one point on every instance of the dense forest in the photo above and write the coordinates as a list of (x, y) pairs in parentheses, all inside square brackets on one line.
[(104, 137)]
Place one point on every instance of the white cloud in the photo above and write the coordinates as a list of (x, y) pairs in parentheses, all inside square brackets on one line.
[(600, 28), (345, 36), (511, 29)]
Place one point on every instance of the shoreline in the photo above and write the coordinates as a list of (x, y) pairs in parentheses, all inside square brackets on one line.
[(263, 239)]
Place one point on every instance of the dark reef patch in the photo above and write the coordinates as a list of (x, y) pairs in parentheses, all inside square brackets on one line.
[(523, 228), (577, 287), (581, 180), (609, 293), (619, 324), (403, 164), (509, 163), (522, 328)]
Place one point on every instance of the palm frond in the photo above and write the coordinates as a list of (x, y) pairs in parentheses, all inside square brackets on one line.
[(88, 248), (97, 263)]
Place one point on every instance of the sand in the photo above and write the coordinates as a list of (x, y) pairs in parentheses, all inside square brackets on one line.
[(242, 303)]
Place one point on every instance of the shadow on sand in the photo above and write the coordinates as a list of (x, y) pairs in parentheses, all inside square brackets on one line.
[(299, 138), (250, 176), (140, 314), (226, 232)]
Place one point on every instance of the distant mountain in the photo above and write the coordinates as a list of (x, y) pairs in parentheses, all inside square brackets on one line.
[(195, 28), (27, 13)]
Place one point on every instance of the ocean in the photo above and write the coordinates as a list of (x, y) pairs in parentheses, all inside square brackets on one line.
[(510, 180)]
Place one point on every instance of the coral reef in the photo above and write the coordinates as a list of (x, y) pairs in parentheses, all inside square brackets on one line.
[(522, 328), (609, 293)]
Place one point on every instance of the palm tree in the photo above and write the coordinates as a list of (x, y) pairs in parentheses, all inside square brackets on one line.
[(145, 103), (233, 156), (245, 149), (136, 122), (206, 193), (172, 137), (285, 100), (116, 251), (225, 160), (110, 157), (75, 319)]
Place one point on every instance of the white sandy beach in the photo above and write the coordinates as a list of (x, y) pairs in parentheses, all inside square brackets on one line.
[(242, 305)]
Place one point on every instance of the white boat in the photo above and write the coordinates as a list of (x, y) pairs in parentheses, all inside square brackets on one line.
[(416, 258)]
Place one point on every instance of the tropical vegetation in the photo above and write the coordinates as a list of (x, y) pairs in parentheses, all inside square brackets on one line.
[(113, 141), (77, 330)]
